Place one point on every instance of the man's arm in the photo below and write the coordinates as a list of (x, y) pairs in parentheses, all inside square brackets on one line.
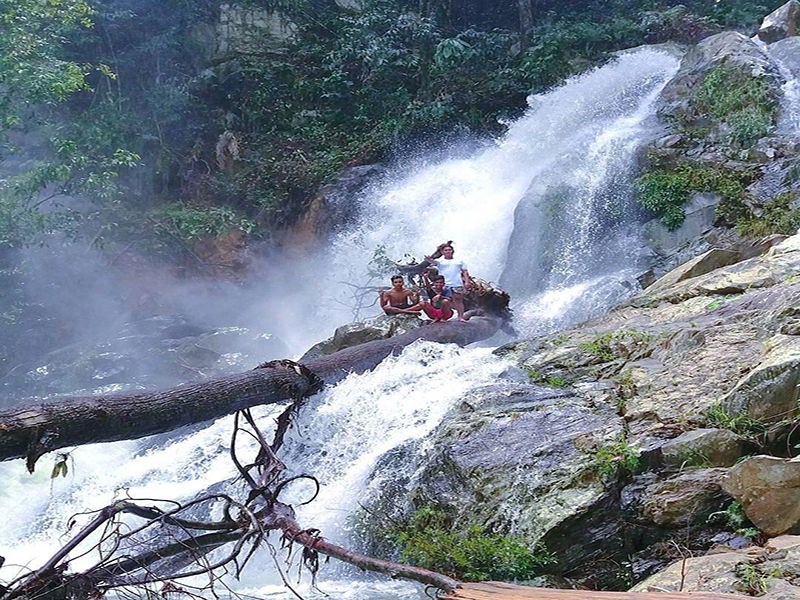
[(465, 277)]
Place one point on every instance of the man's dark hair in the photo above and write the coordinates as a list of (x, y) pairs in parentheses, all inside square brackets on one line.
[(439, 278), (448, 246), (396, 277)]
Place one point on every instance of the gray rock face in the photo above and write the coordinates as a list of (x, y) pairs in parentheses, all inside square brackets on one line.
[(712, 573), (771, 390), (700, 265), (715, 447), (519, 458), (335, 206), (781, 23), (700, 217), (522, 446), (241, 29), (769, 490), (729, 47), (774, 569), (788, 52)]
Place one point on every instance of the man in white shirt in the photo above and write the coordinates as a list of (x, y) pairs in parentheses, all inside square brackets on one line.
[(456, 276)]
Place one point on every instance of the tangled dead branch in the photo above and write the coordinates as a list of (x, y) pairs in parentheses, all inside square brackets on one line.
[(158, 545)]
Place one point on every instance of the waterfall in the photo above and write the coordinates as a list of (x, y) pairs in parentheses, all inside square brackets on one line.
[(572, 153), (564, 168)]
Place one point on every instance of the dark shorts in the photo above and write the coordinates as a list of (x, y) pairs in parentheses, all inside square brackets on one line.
[(403, 306)]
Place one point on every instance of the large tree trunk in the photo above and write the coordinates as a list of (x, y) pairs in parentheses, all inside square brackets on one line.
[(31, 431)]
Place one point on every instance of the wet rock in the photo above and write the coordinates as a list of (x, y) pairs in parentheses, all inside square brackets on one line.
[(683, 499), (669, 141), (769, 490), (761, 246), (352, 334), (781, 23), (646, 278), (712, 447), (520, 458), (700, 265)]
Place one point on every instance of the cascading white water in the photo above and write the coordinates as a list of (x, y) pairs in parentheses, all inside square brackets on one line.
[(583, 135), (585, 132)]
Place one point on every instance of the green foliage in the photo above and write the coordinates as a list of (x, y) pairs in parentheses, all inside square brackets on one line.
[(352, 87), (191, 223), (743, 424), (664, 192), (428, 540), (734, 96), (778, 216), (601, 347), (754, 578), (733, 518), (620, 457), (33, 69), (60, 466), (720, 301), (552, 380), (621, 343)]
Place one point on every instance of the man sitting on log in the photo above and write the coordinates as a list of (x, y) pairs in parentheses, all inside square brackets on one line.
[(439, 308), (399, 300)]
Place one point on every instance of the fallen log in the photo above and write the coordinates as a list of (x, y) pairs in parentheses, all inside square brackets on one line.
[(33, 430), (496, 590)]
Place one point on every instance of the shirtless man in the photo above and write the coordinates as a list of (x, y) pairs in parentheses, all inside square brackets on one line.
[(456, 276), (439, 308), (399, 300)]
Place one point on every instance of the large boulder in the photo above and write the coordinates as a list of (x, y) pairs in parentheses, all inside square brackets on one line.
[(521, 446), (769, 490), (713, 447), (780, 23), (700, 265), (520, 459), (711, 573), (774, 569), (770, 391), (731, 48), (686, 498), (353, 334)]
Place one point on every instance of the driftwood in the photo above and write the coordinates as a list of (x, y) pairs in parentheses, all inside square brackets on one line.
[(33, 430)]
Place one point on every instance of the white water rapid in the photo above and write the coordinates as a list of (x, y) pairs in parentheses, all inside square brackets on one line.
[(576, 144)]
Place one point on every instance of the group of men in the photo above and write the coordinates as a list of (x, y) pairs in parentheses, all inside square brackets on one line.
[(445, 290)]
